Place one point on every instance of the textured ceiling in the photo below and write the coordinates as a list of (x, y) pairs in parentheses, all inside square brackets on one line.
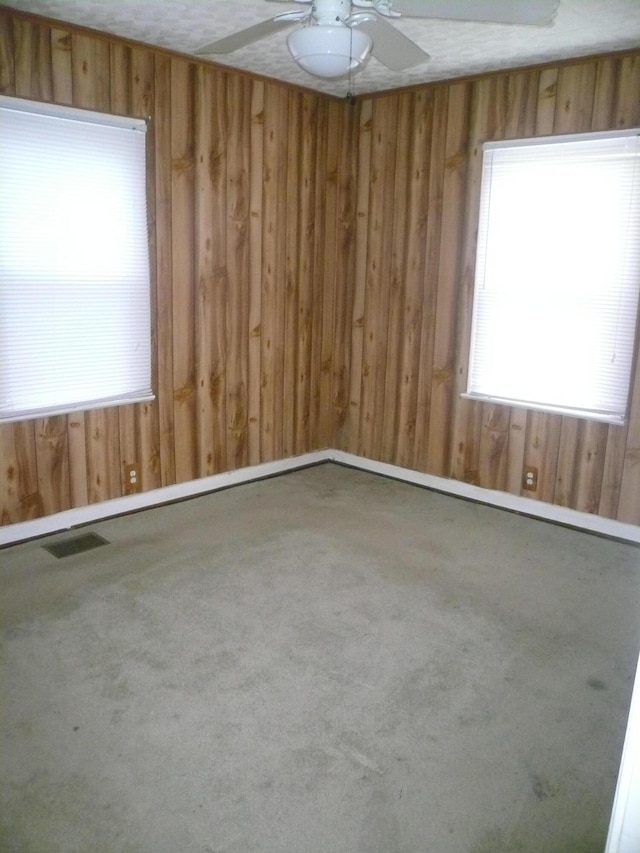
[(456, 48)]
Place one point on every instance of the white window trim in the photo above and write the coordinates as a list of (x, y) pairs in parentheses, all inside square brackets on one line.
[(472, 393), (138, 350)]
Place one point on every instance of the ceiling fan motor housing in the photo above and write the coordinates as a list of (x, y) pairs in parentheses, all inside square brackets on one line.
[(330, 12)]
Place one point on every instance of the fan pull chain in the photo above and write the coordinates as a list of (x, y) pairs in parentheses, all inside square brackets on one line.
[(349, 95)]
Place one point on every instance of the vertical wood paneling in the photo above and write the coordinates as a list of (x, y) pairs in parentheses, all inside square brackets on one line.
[(384, 121), (238, 155), (52, 462), (22, 472), (414, 308), (182, 269), (256, 229), (282, 396), (326, 175), (388, 169), (61, 77), (396, 281), (436, 154), (452, 221), (12, 479), (345, 254), (291, 271), (163, 267), (7, 56), (306, 272), (320, 272), (323, 280), (24, 34), (209, 256), (351, 437), (273, 253)]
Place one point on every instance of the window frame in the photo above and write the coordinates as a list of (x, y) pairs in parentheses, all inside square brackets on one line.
[(472, 392), (137, 352)]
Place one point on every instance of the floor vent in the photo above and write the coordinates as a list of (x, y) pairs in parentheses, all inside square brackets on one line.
[(75, 545)]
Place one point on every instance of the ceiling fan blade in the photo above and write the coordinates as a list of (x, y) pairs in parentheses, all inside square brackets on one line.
[(535, 12), (247, 36), (391, 47)]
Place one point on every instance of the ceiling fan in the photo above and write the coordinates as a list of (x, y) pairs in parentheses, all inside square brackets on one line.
[(338, 36)]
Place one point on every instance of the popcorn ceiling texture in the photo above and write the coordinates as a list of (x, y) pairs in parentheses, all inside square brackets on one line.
[(456, 48)]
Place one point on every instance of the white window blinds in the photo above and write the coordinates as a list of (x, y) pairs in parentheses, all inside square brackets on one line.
[(558, 274), (75, 329)]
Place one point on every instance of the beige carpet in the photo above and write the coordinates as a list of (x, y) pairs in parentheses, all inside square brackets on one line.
[(324, 662)]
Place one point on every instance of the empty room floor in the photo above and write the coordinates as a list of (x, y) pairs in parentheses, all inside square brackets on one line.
[(327, 661)]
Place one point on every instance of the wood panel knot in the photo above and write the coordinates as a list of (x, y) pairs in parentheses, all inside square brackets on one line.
[(182, 165), (456, 160), (64, 42), (32, 505), (183, 394), (215, 387), (441, 375)]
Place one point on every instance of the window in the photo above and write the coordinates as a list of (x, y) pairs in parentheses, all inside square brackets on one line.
[(75, 330), (558, 274)]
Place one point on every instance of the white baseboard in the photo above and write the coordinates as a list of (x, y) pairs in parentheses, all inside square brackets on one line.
[(23, 530), (503, 500)]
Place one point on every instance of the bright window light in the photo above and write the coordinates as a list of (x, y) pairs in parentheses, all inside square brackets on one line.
[(558, 274), (75, 327)]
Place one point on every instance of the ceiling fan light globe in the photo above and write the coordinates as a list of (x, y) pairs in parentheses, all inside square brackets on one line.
[(329, 51)]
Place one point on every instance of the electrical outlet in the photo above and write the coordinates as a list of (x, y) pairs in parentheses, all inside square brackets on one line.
[(530, 478), (132, 483)]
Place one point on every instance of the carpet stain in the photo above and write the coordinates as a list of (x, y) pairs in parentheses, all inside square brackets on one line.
[(542, 788)]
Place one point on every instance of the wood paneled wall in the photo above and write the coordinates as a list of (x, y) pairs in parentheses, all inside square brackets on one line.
[(244, 182), (419, 156), (312, 270)]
